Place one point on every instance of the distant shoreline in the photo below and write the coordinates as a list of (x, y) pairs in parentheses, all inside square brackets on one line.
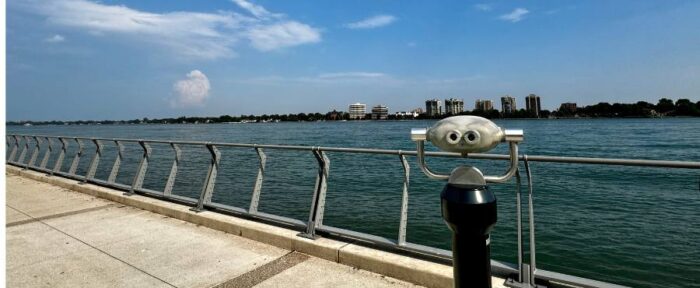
[(130, 122)]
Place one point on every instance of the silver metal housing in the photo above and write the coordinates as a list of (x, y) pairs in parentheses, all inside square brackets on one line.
[(484, 134)]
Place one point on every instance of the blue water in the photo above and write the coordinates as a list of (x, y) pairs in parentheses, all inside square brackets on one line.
[(626, 225)]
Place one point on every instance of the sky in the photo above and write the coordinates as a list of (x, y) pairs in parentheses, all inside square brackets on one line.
[(81, 59)]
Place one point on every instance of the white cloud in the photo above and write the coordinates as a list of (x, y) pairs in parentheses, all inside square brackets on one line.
[(515, 16), (55, 39), (291, 33), (372, 22), (483, 7), (188, 34), (257, 10), (192, 91)]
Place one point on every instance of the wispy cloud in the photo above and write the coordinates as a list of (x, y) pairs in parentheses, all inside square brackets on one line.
[(55, 39), (192, 91), (273, 37), (483, 7), (372, 22), (515, 16), (257, 10), (188, 34)]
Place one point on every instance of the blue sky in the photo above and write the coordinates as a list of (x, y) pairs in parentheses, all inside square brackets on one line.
[(81, 59)]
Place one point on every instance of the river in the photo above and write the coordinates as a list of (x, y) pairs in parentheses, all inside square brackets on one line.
[(626, 225)]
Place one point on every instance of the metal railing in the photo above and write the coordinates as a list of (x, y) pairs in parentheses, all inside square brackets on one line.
[(24, 144)]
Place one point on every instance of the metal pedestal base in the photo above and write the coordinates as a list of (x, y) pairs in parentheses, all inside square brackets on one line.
[(528, 281)]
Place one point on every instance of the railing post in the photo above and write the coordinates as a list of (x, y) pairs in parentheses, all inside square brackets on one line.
[(404, 200), (173, 171), (95, 161), (117, 162), (255, 200), (10, 147), (49, 149), (35, 152), (141, 170), (526, 272), (531, 216), (61, 155), (318, 201), (76, 159), (208, 187), (24, 150), (15, 147)]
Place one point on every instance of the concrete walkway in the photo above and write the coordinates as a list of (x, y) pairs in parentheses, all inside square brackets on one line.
[(61, 238)]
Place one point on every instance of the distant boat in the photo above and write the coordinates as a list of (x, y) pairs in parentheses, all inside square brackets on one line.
[(27, 124)]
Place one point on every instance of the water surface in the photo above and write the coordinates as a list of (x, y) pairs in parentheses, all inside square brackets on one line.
[(626, 225)]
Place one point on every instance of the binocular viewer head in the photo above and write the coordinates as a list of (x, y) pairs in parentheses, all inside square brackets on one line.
[(466, 134)]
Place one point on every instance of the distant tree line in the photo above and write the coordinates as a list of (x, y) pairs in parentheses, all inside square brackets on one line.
[(664, 108)]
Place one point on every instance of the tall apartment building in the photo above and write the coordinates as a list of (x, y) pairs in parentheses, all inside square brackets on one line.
[(454, 106), (433, 107), (357, 111), (532, 104), (380, 112), (484, 105), (508, 105)]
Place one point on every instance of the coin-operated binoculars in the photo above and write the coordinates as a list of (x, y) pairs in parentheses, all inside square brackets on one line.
[(468, 206)]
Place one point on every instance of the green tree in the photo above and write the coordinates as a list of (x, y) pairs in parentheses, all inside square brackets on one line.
[(665, 105)]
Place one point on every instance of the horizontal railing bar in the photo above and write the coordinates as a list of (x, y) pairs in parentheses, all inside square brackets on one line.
[(531, 158)]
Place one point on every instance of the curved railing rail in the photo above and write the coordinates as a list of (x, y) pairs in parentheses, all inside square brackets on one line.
[(32, 144)]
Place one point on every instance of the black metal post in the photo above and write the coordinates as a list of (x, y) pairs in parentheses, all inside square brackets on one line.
[(470, 212)]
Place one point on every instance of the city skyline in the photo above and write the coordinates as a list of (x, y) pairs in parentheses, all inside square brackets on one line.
[(80, 59)]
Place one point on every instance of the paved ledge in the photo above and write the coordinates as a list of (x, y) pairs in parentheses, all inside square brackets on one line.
[(127, 245)]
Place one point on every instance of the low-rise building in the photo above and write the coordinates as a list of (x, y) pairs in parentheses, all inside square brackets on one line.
[(380, 112), (568, 108), (483, 105), (406, 115), (357, 111)]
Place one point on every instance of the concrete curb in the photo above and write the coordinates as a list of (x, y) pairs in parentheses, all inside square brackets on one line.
[(405, 268)]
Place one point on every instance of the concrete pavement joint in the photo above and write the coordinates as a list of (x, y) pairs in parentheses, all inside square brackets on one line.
[(93, 247), (59, 215), (266, 271), (337, 256)]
